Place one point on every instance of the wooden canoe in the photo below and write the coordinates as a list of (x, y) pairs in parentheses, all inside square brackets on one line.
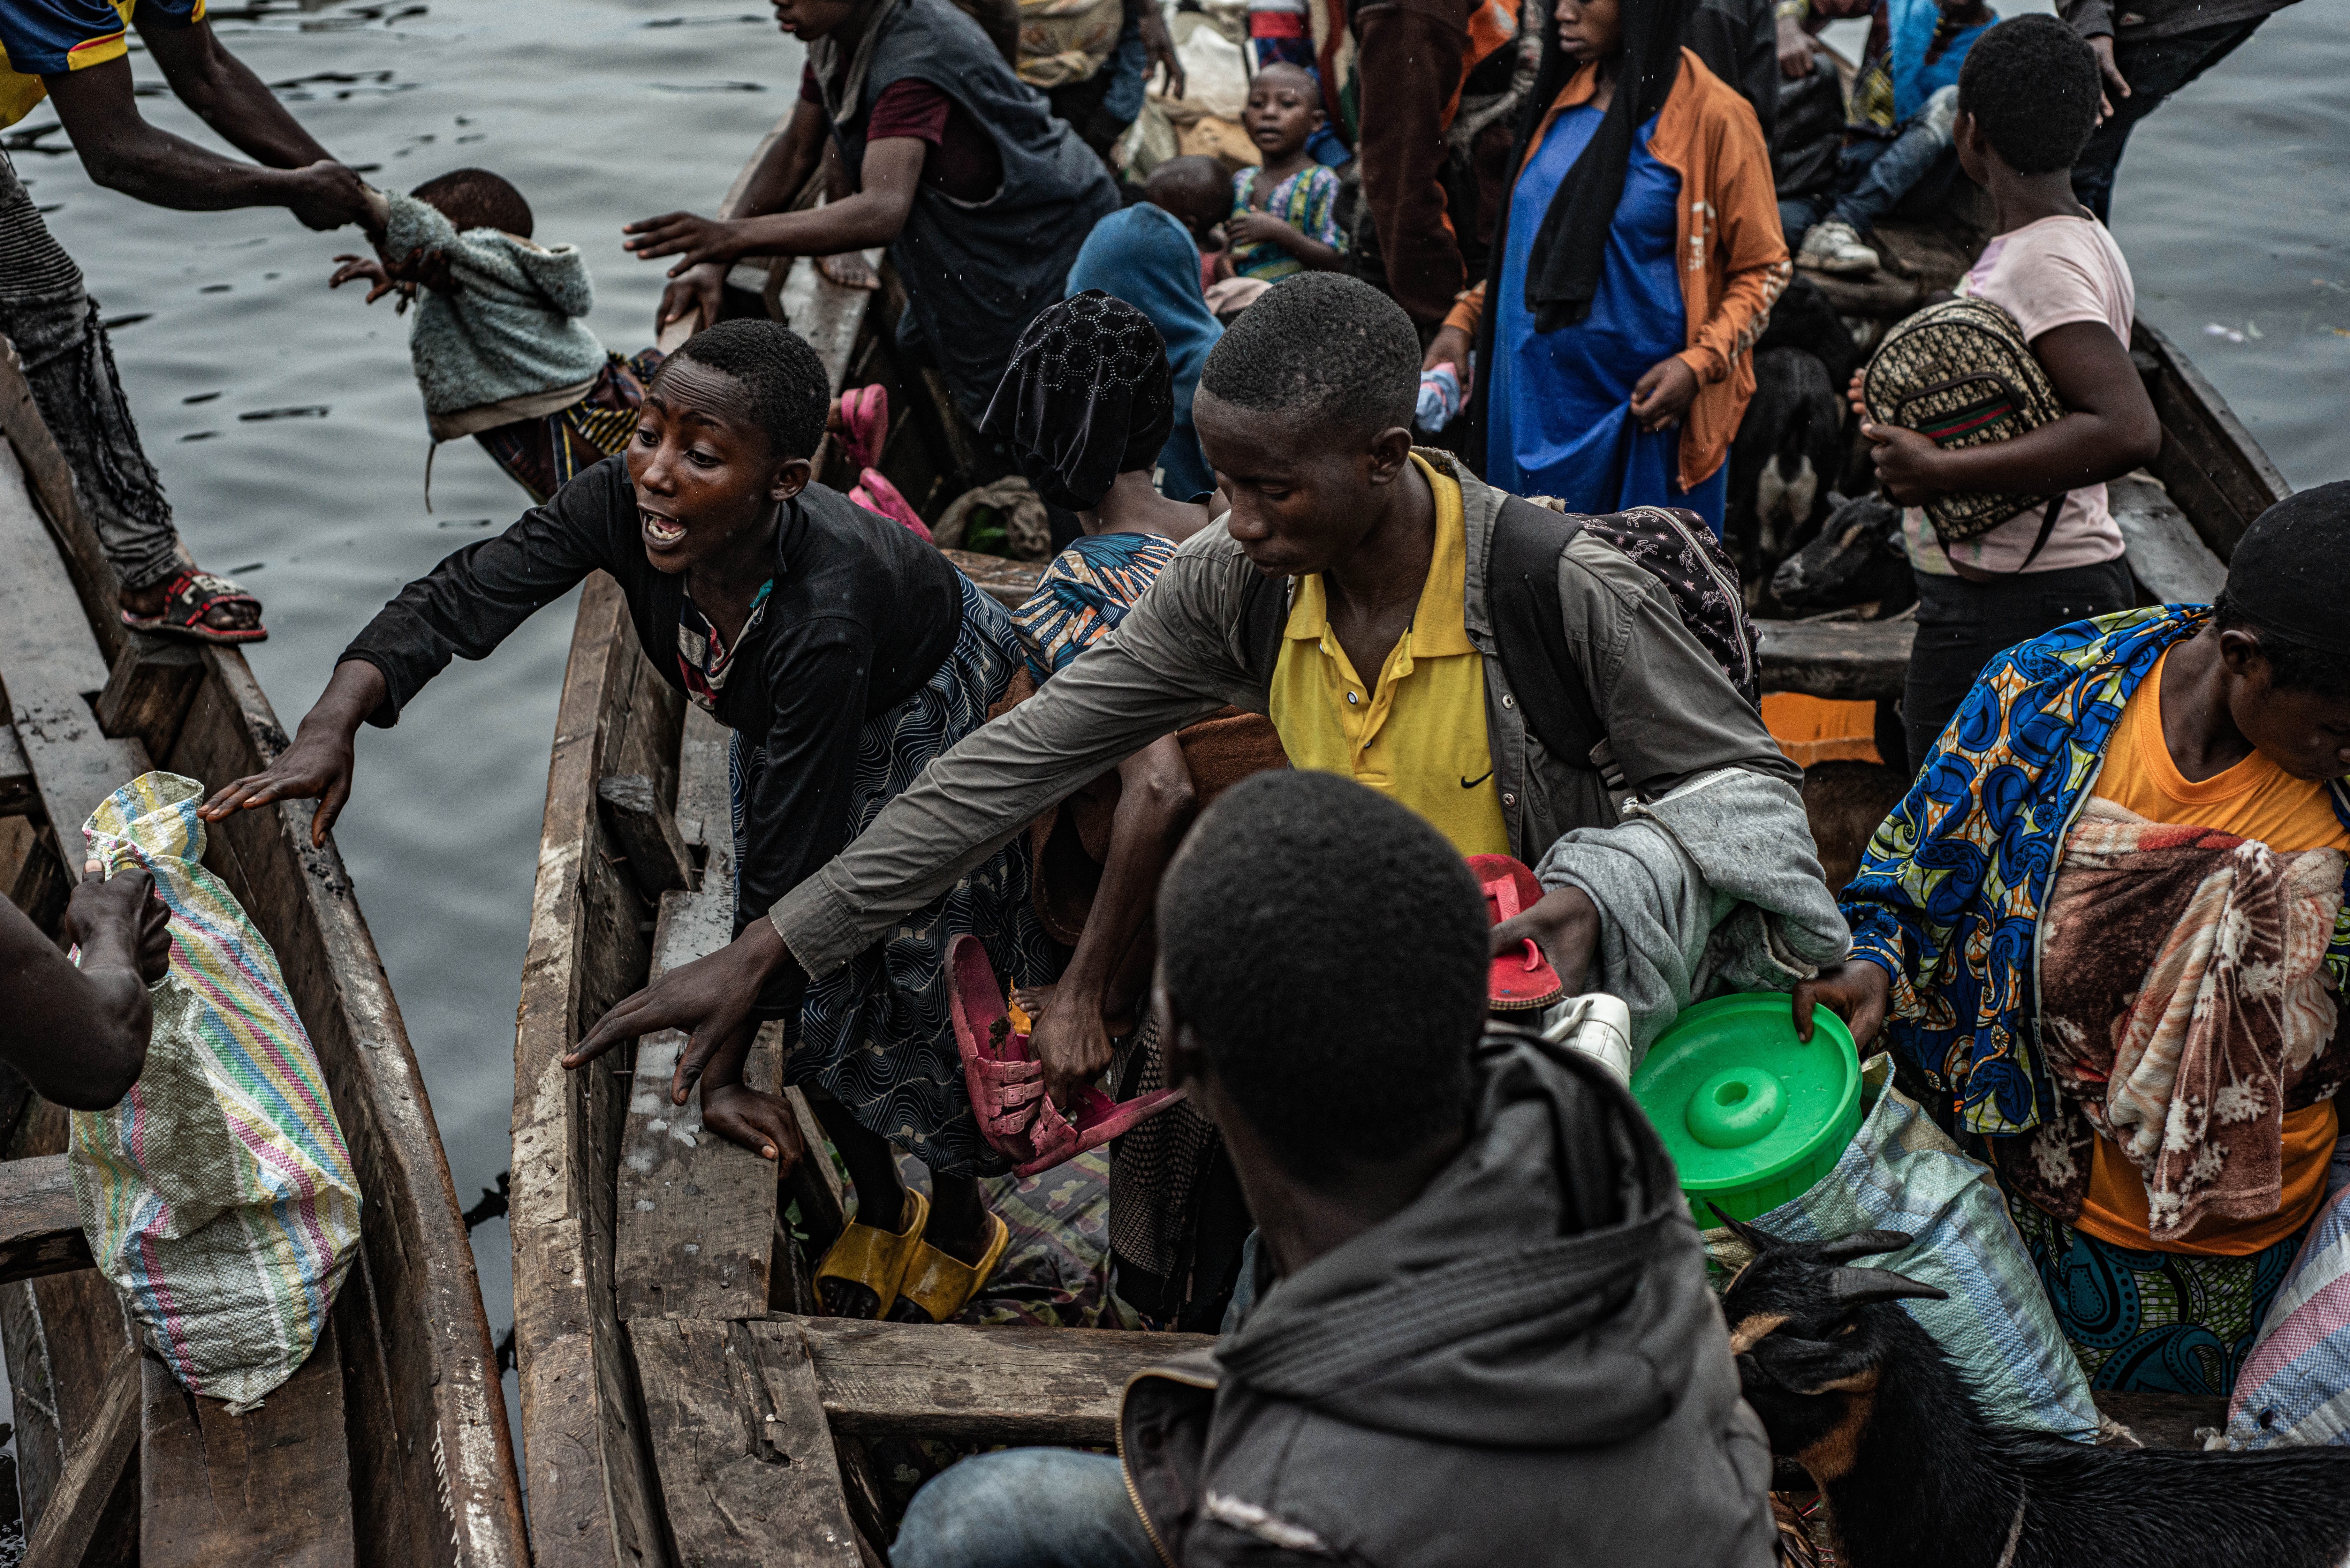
[(390, 1447), (678, 1403)]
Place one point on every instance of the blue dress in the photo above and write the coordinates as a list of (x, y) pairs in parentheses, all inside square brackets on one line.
[(1559, 420)]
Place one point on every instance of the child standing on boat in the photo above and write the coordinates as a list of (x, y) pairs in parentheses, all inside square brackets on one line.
[(843, 654)]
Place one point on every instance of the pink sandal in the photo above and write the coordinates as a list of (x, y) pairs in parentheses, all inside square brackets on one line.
[(1523, 980), (1007, 1084), (864, 435), (191, 597)]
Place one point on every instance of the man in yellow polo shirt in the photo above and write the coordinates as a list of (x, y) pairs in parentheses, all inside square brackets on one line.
[(75, 54), (1419, 734)]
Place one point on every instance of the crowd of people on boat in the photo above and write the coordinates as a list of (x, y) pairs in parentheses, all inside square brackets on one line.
[(1388, 640)]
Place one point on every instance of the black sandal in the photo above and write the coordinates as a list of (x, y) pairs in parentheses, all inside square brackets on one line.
[(191, 597)]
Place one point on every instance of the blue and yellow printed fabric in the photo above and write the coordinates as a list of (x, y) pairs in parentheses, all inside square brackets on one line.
[(47, 38), (1949, 896)]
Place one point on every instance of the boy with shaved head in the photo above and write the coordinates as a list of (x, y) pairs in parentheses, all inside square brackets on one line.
[(1350, 594)]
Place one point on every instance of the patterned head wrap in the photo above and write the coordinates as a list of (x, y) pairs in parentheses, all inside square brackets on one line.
[(1087, 397)]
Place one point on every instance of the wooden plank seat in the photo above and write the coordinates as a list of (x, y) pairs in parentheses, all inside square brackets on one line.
[(18, 794), (1842, 661), (40, 1229), (2166, 555)]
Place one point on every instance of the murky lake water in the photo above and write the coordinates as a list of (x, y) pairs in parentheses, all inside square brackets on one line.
[(292, 440)]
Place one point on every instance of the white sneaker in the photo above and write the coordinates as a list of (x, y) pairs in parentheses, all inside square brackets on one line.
[(1834, 247)]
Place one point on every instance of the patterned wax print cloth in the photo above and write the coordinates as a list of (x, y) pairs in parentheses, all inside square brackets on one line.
[(876, 1034), (2184, 1010), (1086, 591), (704, 658), (218, 1195), (546, 454), (1306, 201), (1951, 890), (2143, 1322)]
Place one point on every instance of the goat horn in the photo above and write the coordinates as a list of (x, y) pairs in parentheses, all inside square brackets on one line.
[(1861, 1244), (1762, 1242), (1858, 1287)]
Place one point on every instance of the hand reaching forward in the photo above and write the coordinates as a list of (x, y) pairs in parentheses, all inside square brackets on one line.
[(1856, 991), (1565, 924)]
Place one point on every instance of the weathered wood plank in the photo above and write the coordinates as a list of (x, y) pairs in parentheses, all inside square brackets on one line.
[(2166, 555), (148, 691), (50, 666), (1843, 661), (696, 1213), (826, 314), (800, 1434), (594, 1496), (2209, 462), (958, 1384), (2163, 1420), (814, 1183), (272, 1486), (52, 483), (86, 1511), (40, 1229), (18, 793), (736, 1490), (644, 830), (1007, 582)]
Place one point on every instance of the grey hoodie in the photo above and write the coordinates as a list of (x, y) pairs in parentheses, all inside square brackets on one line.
[(1523, 1366)]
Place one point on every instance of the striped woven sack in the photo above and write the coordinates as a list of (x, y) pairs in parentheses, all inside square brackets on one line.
[(1961, 374), (1902, 1172), (218, 1196), (2294, 1388)]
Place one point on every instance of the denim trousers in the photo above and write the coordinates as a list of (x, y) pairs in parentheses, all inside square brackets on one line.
[(1025, 1508), (1876, 175), (2155, 68), (70, 367)]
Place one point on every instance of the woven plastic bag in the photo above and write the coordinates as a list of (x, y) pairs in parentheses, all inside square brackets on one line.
[(218, 1196), (1902, 1172)]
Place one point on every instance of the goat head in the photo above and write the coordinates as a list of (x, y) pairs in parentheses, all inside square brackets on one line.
[(1808, 1349)]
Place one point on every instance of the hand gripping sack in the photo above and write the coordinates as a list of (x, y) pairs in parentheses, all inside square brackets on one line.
[(218, 1196), (1960, 374), (1902, 1172)]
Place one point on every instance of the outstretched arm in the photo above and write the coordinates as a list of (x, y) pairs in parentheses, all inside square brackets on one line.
[(80, 1036), (124, 153), (227, 96)]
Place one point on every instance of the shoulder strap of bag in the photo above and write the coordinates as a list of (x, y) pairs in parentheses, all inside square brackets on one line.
[(1530, 627), (1265, 612)]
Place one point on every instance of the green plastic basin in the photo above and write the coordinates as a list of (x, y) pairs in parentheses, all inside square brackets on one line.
[(1751, 1116)]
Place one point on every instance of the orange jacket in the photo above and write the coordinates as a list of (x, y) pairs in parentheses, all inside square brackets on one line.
[(1736, 257)]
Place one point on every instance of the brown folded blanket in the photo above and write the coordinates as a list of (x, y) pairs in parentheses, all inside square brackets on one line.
[(2184, 1009)]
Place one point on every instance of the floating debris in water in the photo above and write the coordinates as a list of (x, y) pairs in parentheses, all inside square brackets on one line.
[(464, 523), (2214, 329), (194, 397), (248, 567), (2252, 329), (297, 411), (707, 87), (116, 323), (701, 21), (216, 288)]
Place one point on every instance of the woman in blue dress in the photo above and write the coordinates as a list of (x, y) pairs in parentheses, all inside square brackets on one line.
[(1641, 251)]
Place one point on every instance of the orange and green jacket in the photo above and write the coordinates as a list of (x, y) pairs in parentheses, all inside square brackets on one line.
[(1734, 258)]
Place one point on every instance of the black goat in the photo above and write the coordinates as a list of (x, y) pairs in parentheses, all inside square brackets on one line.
[(1856, 559), (1849, 1387)]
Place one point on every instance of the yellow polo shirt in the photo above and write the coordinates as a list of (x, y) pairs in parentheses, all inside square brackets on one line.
[(1420, 734)]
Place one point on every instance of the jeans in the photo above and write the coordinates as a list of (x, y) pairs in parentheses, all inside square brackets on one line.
[(1875, 176), (1961, 625), (1025, 1508), (2155, 68), (71, 365)]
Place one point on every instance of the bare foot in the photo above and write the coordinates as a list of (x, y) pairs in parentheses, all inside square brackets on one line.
[(849, 271)]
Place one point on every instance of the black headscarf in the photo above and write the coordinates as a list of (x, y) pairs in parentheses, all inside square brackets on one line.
[(1571, 247), (1087, 397), (2285, 575)]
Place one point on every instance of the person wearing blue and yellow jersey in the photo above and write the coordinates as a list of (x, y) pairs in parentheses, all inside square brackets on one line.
[(75, 54)]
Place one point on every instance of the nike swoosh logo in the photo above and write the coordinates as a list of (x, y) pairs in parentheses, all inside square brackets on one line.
[(1481, 778)]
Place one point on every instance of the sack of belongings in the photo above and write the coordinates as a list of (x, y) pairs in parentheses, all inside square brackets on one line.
[(218, 1196), (1903, 1173)]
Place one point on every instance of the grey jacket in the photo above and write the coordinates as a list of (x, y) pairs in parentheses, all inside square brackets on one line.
[(2130, 20), (1181, 653), (1523, 1367)]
